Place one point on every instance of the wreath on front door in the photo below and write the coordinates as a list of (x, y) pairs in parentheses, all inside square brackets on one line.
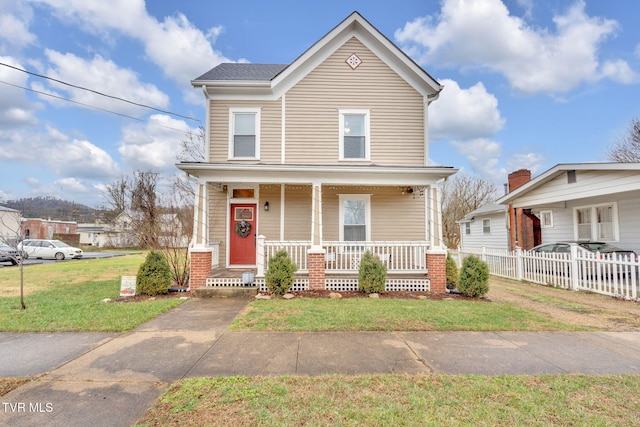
[(243, 228)]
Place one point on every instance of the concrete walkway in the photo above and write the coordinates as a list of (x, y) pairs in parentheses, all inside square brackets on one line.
[(111, 379)]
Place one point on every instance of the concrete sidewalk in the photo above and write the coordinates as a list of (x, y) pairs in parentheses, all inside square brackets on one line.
[(111, 380)]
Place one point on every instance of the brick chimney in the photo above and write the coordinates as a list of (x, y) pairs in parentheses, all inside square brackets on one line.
[(518, 178), (522, 224)]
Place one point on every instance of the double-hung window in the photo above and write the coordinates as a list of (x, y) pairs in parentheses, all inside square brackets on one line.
[(244, 133), (354, 135), (598, 222), (355, 217), (486, 226)]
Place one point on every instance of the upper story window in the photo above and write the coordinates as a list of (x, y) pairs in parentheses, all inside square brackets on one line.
[(244, 133), (354, 135)]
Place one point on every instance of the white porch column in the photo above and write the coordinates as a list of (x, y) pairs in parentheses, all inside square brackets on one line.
[(434, 217), (316, 215), (200, 232)]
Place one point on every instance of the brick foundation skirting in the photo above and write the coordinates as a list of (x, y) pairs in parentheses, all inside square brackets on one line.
[(316, 265)]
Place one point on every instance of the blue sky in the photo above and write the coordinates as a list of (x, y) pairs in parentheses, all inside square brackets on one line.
[(527, 83)]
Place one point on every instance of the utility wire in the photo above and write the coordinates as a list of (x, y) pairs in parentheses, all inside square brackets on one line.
[(98, 93), (90, 106)]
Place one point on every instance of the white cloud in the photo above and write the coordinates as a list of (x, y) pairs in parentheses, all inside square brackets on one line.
[(483, 34), (464, 113), (155, 145), (15, 109), (103, 74), (15, 17), (58, 153), (181, 50), (483, 156), (531, 161)]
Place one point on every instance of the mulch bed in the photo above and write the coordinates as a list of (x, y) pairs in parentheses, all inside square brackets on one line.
[(383, 295)]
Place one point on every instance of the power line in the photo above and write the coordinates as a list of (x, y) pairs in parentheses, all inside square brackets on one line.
[(98, 93), (91, 106)]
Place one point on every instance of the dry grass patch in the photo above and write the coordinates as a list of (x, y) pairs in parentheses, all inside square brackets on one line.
[(9, 384)]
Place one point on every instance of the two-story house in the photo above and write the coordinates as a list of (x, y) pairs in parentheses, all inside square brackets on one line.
[(325, 157)]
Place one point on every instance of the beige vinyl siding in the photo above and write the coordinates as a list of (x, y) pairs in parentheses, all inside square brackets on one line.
[(394, 216), (396, 111), (218, 219), (270, 129), (269, 222), (297, 214)]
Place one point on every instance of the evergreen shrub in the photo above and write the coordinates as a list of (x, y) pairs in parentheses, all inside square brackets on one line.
[(474, 277), (280, 273), (154, 275), (452, 273), (372, 274)]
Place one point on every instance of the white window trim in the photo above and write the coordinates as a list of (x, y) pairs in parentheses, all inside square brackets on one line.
[(367, 207), (232, 113), (467, 228), (367, 135), (550, 213), (484, 232), (594, 224)]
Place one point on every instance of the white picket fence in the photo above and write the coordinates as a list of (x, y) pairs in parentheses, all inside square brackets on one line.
[(608, 274)]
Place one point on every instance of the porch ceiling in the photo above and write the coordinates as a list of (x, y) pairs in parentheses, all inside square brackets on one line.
[(325, 174)]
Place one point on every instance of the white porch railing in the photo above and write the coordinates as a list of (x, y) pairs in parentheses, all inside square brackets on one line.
[(344, 257), (608, 274), (398, 257)]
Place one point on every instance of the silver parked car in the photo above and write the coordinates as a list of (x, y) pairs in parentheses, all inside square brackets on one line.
[(8, 254), (48, 249), (592, 247)]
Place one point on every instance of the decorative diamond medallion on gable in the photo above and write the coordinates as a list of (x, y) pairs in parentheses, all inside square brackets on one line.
[(354, 61)]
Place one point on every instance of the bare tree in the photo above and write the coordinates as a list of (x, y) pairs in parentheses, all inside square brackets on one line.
[(461, 195), (627, 148), (117, 195), (144, 208)]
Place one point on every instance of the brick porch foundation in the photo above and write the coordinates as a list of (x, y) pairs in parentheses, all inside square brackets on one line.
[(316, 269), (200, 267), (437, 266)]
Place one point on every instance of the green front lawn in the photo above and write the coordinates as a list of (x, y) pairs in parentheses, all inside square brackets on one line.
[(363, 314)]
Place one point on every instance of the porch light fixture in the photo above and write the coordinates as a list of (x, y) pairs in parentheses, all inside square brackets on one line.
[(266, 206)]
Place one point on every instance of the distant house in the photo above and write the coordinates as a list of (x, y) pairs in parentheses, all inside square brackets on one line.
[(9, 225), (38, 228), (487, 226), (581, 201)]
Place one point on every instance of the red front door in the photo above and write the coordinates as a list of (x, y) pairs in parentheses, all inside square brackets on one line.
[(242, 235)]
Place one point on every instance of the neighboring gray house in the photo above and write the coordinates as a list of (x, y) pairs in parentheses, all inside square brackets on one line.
[(584, 201), (487, 226), (9, 225)]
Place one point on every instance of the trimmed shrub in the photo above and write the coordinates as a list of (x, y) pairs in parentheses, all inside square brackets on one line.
[(280, 273), (452, 273), (154, 275), (474, 277), (372, 274)]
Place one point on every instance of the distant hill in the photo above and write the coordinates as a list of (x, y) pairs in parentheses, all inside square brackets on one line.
[(50, 207)]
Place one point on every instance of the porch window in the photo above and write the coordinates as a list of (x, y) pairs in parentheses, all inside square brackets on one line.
[(546, 219), (244, 133), (354, 135), (598, 222), (355, 217)]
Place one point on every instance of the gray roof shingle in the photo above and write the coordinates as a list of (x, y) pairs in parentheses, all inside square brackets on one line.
[(246, 72)]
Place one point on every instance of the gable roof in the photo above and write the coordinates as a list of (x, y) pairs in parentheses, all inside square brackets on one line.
[(490, 208), (563, 168), (275, 79)]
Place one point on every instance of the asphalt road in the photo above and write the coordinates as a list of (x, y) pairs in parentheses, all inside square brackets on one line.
[(86, 255)]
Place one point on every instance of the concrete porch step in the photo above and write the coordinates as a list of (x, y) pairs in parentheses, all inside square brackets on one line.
[(226, 292)]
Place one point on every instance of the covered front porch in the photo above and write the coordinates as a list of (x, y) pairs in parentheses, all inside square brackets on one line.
[(326, 218)]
